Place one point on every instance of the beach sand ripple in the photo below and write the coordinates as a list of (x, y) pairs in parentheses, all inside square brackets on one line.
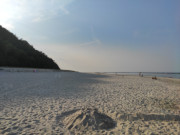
[(51, 103)]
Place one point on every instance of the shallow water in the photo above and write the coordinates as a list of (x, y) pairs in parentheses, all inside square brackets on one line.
[(157, 74)]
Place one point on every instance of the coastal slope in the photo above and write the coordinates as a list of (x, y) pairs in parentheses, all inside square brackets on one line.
[(16, 52)]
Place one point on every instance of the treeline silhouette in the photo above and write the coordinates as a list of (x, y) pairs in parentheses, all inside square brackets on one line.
[(16, 52)]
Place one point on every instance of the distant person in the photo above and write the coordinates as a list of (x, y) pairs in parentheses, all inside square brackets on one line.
[(140, 74)]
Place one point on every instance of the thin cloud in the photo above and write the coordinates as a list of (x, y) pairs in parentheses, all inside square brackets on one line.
[(64, 10), (8, 11), (12, 11), (95, 42)]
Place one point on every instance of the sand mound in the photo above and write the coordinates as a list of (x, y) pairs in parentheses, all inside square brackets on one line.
[(88, 118)]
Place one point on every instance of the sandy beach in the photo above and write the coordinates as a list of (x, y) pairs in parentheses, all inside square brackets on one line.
[(50, 103)]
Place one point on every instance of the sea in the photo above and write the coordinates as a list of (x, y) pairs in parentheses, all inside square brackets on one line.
[(153, 74)]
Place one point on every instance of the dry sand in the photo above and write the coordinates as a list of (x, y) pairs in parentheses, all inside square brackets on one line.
[(76, 103)]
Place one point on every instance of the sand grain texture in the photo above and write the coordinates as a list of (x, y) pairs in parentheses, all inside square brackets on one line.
[(52, 103)]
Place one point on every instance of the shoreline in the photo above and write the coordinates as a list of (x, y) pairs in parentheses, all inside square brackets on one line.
[(153, 74), (145, 76), (149, 76)]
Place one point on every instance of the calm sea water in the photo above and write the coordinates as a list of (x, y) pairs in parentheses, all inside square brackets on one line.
[(157, 74)]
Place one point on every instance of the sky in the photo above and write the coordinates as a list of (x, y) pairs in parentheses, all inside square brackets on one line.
[(100, 35)]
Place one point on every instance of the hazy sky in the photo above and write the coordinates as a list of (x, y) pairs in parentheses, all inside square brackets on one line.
[(100, 35)]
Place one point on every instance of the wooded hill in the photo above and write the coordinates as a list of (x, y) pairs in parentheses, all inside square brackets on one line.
[(16, 52)]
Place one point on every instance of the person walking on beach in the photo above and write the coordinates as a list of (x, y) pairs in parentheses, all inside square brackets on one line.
[(140, 74)]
